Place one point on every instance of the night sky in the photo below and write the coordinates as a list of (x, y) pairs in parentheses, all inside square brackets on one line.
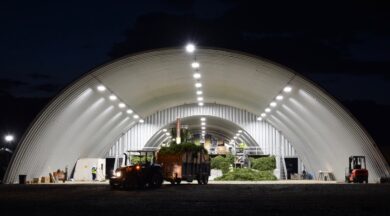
[(344, 47)]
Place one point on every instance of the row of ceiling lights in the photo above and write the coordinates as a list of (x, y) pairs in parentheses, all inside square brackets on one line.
[(190, 48), (274, 103), (121, 105)]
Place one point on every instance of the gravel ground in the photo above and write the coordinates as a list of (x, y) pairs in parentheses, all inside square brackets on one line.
[(192, 199)]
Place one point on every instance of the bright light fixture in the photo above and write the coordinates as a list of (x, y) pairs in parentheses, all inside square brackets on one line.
[(198, 85), (200, 98), (141, 121), (199, 92), (287, 89), (203, 128), (279, 97), (234, 137), (121, 105), (200, 103), (259, 118), (237, 134), (190, 48), (203, 123), (113, 97), (267, 110), (129, 111), (263, 115), (239, 131), (203, 119), (273, 104), (9, 138), (167, 133), (136, 116), (164, 130), (195, 65), (197, 75), (101, 88)]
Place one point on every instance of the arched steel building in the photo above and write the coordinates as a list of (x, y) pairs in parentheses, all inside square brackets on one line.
[(158, 86)]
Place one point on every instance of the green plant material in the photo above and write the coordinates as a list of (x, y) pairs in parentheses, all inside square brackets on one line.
[(222, 163), (242, 146), (139, 159), (174, 148), (263, 163), (243, 174)]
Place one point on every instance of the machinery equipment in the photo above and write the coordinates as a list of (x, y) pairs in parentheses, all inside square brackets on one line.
[(144, 173), (357, 171)]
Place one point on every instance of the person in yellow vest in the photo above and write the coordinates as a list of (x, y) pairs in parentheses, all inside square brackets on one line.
[(94, 171)]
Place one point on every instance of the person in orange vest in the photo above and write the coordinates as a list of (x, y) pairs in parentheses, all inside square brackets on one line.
[(94, 171)]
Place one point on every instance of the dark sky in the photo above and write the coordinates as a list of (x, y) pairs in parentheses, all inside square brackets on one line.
[(343, 46)]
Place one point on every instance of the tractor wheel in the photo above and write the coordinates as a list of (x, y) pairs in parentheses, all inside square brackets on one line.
[(205, 179), (157, 180)]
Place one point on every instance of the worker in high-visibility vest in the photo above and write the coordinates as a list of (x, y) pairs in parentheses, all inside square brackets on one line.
[(94, 171)]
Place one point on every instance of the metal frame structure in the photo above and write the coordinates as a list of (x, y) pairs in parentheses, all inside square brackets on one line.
[(83, 121)]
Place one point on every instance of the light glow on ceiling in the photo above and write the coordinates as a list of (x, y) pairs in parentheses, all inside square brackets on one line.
[(198, 85), (287, 89), (190, 48), (136, 116), (279, 97), (200, 103), (101, 88), (203, 119), (200, 98), (273, 104), (197, 75), (199, 92), (113, 97), (121, 105), (267, 110), (129, 111), (195, 65)]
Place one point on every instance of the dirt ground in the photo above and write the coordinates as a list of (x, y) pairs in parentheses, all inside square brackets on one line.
[(192, 199)]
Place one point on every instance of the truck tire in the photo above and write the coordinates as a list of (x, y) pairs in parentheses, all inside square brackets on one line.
[(200, 180)]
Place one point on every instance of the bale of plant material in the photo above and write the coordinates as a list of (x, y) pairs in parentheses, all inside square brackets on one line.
[(263, 163), (243, 174), (174, 148), (220, 163)]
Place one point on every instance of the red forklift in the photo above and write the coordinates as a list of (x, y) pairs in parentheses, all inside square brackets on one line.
[(357, 171)]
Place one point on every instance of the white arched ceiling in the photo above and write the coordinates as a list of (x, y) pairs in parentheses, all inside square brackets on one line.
[(82, 122)]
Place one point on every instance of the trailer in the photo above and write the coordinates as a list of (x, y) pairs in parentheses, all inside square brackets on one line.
[(185, 166)]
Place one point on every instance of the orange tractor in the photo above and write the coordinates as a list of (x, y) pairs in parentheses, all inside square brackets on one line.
[(357, 171)]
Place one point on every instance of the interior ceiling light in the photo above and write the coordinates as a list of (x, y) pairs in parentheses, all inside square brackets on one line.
[(129, 111), (195, 65), (237, 134), (101, 88), (141, 121), (200, 103), (113, 97), (167, 133), (273, 104), (199, 92), (198, 85), (239, 131), (234, 137), (164, 130), (200, 98), (197, 75), (203, 128), (203, 119), (190, 48), (279, 97), (203, 123), (267, 110), (203, 132), (136, 116), (259, 118), (263, 115), (287, 89), (122, 105)]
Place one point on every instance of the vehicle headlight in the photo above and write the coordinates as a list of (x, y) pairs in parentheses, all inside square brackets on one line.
[(118, 174)]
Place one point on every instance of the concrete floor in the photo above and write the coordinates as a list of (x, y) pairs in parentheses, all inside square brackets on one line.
[(191, 199)]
